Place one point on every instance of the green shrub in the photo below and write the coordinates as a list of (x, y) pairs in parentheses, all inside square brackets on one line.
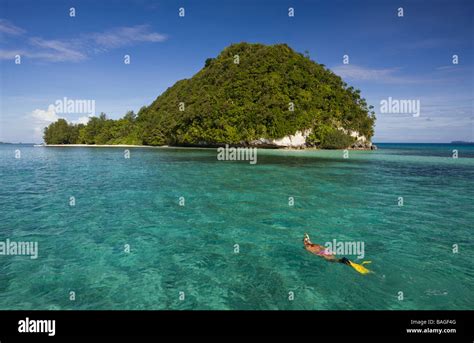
[(336, 139)]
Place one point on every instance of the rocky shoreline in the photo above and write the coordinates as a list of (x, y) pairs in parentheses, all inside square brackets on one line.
[(204, 145), (297, 141)]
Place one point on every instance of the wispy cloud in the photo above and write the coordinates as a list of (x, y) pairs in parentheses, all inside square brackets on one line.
[(448, 68), (10, 54), (124, 36), (56, 51), (8, 28), (354, 72), (429, 43), (395, 76), (79, 48)]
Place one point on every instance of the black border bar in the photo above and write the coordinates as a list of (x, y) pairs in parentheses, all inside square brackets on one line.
[(242, 323)]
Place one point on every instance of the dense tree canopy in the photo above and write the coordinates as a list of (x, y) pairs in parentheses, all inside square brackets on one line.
[(60, 132), (249, 91)]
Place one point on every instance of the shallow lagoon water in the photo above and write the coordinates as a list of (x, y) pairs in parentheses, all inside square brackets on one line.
[(191, 248)]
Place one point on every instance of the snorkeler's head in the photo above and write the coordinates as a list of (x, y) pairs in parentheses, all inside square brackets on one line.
[(306, 238)]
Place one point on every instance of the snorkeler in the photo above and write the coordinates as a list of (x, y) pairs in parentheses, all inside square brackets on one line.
[(325, 253)]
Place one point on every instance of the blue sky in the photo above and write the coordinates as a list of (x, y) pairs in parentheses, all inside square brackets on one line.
[(81, 57)]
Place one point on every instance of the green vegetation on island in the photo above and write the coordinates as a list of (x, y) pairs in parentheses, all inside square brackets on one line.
[(247, 93)]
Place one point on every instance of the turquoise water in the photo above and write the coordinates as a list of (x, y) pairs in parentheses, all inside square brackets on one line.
[(190, 248)]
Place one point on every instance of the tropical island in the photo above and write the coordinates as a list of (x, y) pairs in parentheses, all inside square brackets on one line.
[(249, 95)]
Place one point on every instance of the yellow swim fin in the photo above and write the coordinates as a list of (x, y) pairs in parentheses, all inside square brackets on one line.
[(359, 267)]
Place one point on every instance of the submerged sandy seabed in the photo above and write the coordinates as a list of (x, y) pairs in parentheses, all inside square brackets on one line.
[(100, 146)]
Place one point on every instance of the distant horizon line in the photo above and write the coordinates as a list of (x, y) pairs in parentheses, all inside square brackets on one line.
[(451, 142)]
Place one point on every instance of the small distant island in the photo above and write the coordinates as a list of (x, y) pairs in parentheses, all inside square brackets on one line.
[(19, 143), (249, 95), (462, 143)]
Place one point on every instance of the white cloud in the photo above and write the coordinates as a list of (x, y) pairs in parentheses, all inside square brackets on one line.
[(47, 116), (43, 118)]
